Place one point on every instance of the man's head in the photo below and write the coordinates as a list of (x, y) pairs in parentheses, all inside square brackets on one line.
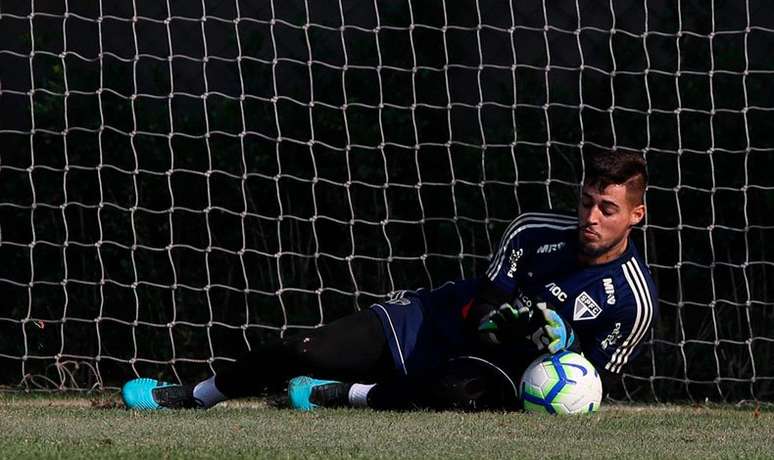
[(611, 203)]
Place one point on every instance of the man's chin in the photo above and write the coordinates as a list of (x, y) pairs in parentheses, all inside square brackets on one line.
[(595, 250), (591, 250)]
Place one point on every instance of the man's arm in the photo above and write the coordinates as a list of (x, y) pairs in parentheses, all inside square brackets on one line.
[(515, 247), (543, 329), (618, 342), (488, 300), (499, 284)]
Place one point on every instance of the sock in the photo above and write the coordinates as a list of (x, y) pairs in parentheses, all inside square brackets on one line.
[(207, 393), (358, 394)]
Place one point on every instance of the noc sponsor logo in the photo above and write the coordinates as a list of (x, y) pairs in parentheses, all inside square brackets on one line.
[(585, 307), (556, 291), (551, 247), (607, 283), (514, 260)]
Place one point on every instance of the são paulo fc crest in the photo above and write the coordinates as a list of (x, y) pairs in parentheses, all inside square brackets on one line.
[(585, 307)]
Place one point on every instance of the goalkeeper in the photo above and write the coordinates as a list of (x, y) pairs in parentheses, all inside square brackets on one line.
[(555, 282)]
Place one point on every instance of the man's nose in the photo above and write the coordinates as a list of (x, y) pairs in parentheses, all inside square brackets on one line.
[(593, 216)]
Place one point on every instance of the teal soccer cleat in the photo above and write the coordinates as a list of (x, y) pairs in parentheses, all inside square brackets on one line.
[(150, 394), (307, 393)]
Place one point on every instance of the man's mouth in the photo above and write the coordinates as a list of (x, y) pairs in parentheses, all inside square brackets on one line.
[(588, 232)]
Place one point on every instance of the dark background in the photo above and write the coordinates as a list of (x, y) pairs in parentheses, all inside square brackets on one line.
[(176, 184)]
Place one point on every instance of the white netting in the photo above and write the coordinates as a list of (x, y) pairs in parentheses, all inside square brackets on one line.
[(180, 180)]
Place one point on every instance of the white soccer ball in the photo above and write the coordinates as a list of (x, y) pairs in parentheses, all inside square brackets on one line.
[(564, 383)]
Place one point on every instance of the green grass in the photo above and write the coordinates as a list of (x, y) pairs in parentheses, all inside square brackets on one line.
[(45, 427)]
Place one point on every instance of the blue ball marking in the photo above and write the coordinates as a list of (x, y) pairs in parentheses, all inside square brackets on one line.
[(561, 383), (578, 366), (540, 402), (562, 378)]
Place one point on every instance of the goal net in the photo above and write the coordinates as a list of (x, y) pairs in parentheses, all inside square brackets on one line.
[(180, 181)]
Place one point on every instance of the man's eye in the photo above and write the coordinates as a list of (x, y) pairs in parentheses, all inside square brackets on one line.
[(607, 211)]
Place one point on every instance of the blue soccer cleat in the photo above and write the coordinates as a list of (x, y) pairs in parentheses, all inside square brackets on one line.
[(150, 394), (307, 393)]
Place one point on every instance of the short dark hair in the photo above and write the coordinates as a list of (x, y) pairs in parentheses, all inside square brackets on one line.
[(618, 167)]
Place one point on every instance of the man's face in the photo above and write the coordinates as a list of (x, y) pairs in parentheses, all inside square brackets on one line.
[(604, 221)]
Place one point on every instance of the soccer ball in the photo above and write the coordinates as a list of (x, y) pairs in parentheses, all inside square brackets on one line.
[(564, 383)]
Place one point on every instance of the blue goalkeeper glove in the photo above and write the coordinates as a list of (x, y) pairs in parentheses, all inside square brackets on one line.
[(505, 323), (560, 334)]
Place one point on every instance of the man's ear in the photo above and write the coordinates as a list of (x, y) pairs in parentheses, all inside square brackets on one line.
[(636, 215)]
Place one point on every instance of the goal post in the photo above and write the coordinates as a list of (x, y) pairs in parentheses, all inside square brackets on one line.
[(182, 180)]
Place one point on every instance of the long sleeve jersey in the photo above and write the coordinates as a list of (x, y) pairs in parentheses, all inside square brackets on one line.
[(610, 306)]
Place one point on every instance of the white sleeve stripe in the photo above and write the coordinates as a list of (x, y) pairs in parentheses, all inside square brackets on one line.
[(520, 224), (519, 220), (647, 310), (537, 216), (645, 293), (529, 216), (497, 264), (640, 288), (615, 360)]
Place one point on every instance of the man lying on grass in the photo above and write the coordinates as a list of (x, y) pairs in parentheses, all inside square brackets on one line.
[(463, 344)]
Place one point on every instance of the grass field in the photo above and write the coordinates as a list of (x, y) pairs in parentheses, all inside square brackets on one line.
[(46, 427)]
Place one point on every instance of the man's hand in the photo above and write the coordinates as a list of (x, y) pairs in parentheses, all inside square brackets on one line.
[(559, 333), (505, 323)]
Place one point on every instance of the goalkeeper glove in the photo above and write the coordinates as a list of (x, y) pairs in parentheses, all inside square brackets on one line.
[(503, 324), (560, 335)]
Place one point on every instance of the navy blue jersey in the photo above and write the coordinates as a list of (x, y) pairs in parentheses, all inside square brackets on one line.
[(610, 306)]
